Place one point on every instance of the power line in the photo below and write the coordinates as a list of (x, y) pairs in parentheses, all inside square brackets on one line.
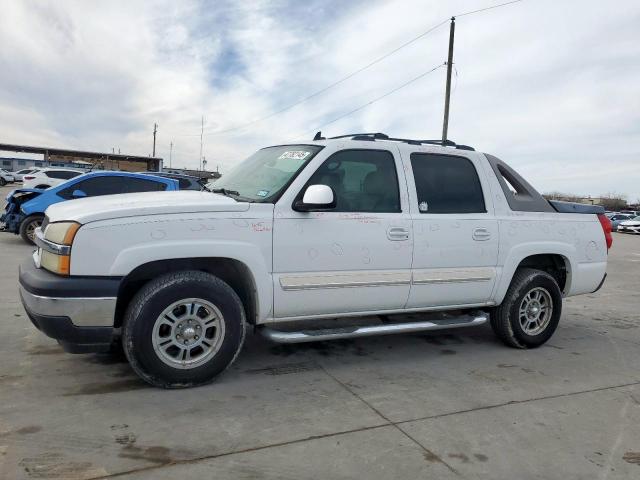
[(415, 79), (352, 74), (330, 86)]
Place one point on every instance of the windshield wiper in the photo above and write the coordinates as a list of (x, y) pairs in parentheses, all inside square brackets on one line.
[(226, 192)]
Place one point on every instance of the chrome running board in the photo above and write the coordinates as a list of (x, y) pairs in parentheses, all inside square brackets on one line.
[(300, 336)]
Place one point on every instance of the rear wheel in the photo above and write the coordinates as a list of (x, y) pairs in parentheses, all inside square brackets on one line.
[(530, 311), (28, 227), (3, 182), (183, 329)]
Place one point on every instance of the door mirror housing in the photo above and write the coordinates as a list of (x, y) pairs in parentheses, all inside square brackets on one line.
[(316, 198), (78, 194)]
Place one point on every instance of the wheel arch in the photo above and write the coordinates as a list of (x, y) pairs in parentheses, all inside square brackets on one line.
[(232, 271), (557, 260)]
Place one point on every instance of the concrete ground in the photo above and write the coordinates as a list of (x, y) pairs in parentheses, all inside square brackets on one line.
[(447, 405)]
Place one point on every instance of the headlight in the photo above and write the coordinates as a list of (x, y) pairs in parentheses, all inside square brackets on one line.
[(61, 233), (55, 246)]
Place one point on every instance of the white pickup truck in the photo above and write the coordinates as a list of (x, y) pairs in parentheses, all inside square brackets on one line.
[(356, 226)]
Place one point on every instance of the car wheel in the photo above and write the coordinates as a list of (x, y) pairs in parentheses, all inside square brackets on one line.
[(3, 182), (28, 227), (530, 311), (183, 329)]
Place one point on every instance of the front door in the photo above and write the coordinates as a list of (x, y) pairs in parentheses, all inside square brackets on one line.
[(355, 257), (455, 233)]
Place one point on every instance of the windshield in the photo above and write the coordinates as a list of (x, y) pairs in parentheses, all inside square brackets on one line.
[(266, 173)]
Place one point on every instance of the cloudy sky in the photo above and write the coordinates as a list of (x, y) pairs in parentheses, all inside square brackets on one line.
[(550, 86)]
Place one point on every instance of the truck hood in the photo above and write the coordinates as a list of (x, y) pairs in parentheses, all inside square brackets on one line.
[(86, 210)]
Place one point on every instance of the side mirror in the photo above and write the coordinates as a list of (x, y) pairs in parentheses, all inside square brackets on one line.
[(78, 194), (316, 198)]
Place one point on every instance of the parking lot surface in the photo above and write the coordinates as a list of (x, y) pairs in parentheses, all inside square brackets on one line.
[(446, 405)]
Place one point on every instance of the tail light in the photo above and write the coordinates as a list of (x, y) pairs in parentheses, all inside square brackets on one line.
[(606, 228), (28, 177)]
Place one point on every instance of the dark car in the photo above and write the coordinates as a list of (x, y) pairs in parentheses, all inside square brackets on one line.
[(185, 182)]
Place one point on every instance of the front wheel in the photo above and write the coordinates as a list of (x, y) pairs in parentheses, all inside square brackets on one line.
[(3, 182), (183, 329), (530, 311), (28, 228)]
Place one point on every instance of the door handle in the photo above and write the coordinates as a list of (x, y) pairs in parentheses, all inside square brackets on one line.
[(481, 234), (398, 233)]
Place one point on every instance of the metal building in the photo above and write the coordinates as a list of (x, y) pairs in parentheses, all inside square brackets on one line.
[(62, 157)]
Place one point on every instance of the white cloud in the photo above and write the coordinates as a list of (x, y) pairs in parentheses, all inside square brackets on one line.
[(551, 87)]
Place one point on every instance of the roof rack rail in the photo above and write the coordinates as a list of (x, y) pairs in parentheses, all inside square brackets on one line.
[(372, 137), (377, 135)]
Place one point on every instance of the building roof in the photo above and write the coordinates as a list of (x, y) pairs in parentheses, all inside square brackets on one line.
[(72, 153)]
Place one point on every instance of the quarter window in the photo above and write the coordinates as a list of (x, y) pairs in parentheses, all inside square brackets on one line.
[(446, 184), (362, 181)]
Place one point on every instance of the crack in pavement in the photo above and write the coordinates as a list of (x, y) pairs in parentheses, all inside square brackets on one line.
[(519, 402), (429, 453), (356, 430)]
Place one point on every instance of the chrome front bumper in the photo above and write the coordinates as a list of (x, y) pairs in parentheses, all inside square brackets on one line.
[(82, 311)]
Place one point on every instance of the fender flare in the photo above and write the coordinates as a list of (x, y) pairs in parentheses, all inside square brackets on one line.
[(518, 253), (248, 254)]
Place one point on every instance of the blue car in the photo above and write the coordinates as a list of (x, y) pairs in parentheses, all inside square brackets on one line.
[(26, 206)]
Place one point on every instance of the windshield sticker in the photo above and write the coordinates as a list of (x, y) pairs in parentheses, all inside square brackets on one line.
[(294, 155), (263, 193)]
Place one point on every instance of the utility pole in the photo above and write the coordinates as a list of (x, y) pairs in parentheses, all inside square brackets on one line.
[(170, 153), (155, 129), (201, 133), (447, 95)]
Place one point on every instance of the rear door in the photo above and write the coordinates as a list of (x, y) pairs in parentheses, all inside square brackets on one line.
[(455, 231)]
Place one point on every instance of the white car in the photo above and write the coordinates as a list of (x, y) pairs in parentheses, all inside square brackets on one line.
[(49, 177), (21, 173), (630, 226), (6, 177), (357, 226)]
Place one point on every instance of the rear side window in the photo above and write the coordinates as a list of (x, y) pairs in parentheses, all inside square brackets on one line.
[(62, 174), (131, 185), (362, 181), (446, 184)]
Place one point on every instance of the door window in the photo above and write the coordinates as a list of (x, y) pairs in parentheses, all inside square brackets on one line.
[(362, 181), (112, 185), (446, 184)]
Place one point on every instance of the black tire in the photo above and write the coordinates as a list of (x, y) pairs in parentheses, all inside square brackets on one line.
[(505, 319), (148, 305), (3, 182), (28, 225)]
